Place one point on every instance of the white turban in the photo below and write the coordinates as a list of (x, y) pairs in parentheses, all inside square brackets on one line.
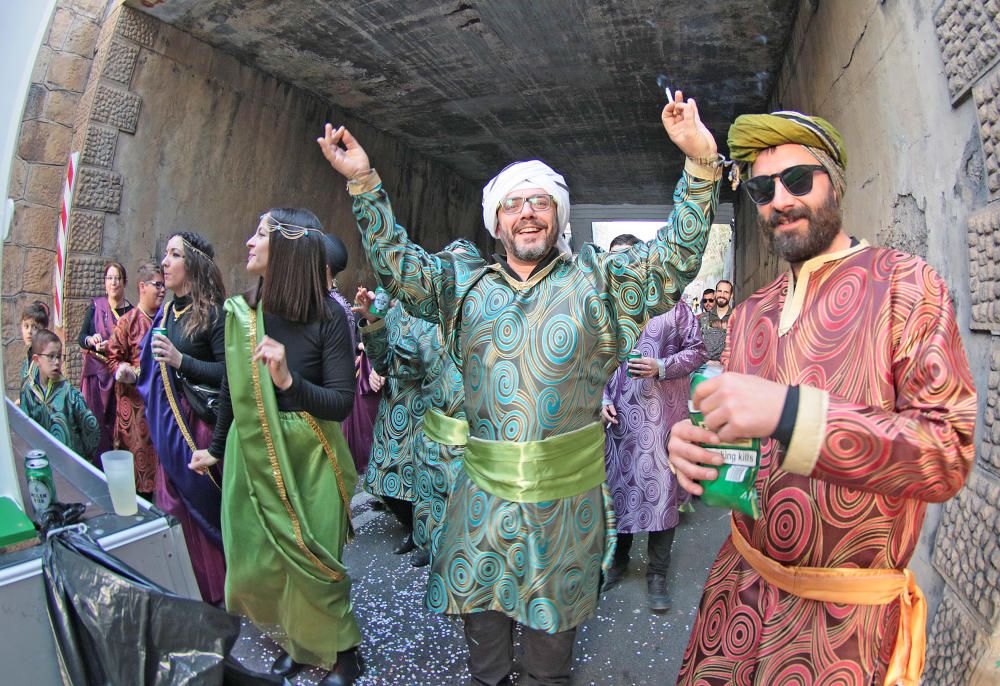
[(530, 174)]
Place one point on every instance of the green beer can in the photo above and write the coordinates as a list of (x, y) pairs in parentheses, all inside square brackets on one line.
[(41, 485), (159, 330), (734, 487), (634, 355)]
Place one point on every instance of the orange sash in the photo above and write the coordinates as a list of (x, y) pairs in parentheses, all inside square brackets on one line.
[(847, 586)]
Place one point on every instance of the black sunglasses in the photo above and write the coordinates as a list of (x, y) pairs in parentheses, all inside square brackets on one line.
[(797, 180)]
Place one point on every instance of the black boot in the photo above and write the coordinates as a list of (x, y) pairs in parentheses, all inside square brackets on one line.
[(350, 666), (615, 575), (285, 666), (421, 558), (406, 546), (656, 591)]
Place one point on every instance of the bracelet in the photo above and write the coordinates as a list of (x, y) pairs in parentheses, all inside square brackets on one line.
[(360, 183), (715, 161)]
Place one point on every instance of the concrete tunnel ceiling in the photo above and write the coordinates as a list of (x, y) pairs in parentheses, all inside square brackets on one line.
[(476, 85)]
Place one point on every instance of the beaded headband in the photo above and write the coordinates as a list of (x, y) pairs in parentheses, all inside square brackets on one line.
[(290, 231)]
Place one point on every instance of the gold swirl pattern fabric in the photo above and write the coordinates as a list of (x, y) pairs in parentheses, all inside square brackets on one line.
[(534, 356), (397, 356), (877, 331)]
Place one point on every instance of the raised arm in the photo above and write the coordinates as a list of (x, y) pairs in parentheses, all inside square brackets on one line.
[(405, 269), (649, 278)]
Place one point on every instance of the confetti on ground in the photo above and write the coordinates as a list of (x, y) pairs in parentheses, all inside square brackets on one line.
[(404, 644)]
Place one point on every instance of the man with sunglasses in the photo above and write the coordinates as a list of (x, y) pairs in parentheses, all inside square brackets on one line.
[(124, 348), (707, 301), (851, 370), (536, 335)]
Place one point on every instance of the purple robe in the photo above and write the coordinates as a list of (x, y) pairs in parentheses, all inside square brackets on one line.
[(97, 383), (359, 425), (193, 499), (644, 489)]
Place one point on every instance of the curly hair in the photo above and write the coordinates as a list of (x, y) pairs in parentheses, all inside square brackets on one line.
[(203, 275)]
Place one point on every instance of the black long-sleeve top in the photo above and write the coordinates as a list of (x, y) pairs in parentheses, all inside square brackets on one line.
[(203, 358), (88, 328), (321, 361)]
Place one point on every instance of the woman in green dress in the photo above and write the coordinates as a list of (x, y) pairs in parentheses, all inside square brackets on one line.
[(288, 475)]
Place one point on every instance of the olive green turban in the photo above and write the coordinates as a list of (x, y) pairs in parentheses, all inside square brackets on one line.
[(751, 133)]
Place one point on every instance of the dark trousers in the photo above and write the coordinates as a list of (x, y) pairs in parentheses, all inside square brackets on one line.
[(660, 543), (403, 509), (548, 658)]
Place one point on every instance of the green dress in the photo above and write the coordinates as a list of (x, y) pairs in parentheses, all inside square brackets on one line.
[(400, 413), (535, 356), (286, 497)]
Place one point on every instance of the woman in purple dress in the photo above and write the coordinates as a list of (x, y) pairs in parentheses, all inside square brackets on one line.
[(180, 374), (97, 383)]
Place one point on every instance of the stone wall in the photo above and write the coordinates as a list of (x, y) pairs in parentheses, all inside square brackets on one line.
[(923, 176), (58, 81), (176, 135)]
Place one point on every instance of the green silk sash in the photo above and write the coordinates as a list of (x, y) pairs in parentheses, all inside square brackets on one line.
[(445, 430), (534, 471), (288, 459)]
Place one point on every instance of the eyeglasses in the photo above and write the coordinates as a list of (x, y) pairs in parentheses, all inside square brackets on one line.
[(537, 202), (158, 285), (708, 300), (51, 357), (797, 180)]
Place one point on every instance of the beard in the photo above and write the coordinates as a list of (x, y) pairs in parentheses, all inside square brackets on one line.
[(823, 225), (721, 302), (533, 253)]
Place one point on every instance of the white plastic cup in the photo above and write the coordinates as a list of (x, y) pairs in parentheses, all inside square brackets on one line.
[(120, 471)]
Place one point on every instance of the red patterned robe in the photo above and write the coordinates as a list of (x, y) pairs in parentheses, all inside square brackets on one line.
[(885, 425), (131, 431)]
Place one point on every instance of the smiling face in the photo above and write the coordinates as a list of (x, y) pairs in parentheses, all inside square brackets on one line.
[(151, 293), (528, 235), (258, 246), (49, 361), (114, 283), (801, 227), (174, 271)]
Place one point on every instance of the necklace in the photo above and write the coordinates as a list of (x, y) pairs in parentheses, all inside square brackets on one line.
[(179, 313)]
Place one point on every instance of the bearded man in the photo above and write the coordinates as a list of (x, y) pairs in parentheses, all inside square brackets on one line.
[(851, 370), (535, 335)]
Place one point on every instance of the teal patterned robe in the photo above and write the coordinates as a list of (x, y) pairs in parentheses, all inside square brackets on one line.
[(435, 466), (535, 356), (397, 356), (61, 410)]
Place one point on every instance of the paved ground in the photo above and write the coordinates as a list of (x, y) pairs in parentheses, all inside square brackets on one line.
[(624, 645)]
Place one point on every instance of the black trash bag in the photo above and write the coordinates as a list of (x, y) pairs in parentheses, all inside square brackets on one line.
[(115, 627)]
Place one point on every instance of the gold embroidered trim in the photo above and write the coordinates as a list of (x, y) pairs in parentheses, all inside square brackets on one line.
[(272, 456), (796, 296), (328, 449), (168, 389)]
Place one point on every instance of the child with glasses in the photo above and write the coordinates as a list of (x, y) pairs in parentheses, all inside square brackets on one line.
[(50, 400), (34, 317)]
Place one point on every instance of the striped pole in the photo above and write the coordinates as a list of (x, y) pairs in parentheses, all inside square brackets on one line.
[(62, 238)]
